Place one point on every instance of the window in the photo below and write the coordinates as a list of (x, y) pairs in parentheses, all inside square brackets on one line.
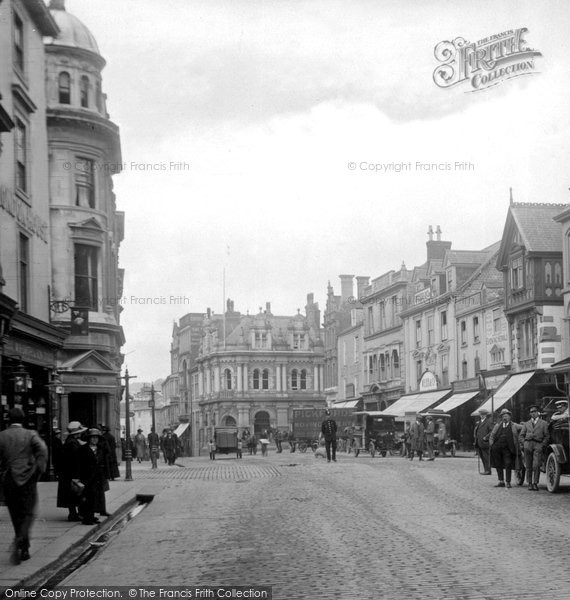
[(18, 43), (294, 379), (463, 328), (517, 273), (344, 353), (98, 96), (303, 379), (388, 370), (475, 329), (443, 324), (418, 371), (228, 379), (24, 268), (21, 156), (496, 320), (349, 387), (445, 369), (396, 364), (298, 341), (526, 338), (86, 258), (260, 339), (477, 364), (84, 91), (548, 273), (265, 379), (382, 316), (84, 183), (370, 319), (464, 369), (557, 274), (256, 379), (355, 354), (431, 332), (418, 334), (382, 368), (64, 88)]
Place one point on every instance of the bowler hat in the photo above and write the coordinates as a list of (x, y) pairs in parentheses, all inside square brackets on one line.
[(94, 431), (75, 427), (483, 411), (506, 411)]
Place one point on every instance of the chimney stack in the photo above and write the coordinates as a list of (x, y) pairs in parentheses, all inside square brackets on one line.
[(436, 248), (268, 308), (361, 283), (346, 287)]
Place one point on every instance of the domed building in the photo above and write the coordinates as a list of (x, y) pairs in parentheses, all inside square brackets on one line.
[(86, 228)]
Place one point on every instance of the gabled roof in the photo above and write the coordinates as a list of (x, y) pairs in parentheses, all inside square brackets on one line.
[(535, 223), (88, 361)]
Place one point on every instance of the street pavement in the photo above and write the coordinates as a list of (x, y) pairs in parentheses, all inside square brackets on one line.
[(360, 528)]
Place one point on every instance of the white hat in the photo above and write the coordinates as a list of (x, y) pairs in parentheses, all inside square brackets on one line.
[(75, 427)]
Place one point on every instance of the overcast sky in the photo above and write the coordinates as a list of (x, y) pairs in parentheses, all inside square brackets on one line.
[(267, 102)]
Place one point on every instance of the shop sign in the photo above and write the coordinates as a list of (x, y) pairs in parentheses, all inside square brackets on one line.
[(428, 382)]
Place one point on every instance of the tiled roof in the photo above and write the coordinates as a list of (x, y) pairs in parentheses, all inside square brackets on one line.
[(536, 225)]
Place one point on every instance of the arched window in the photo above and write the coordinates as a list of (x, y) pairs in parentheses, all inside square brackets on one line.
[(557, 273), (229, 421), (64, 86), (265, 379), (294, 379), (303, 379), (256, 379), (228, 379), (548, 273), (396, 363), (84, 91)]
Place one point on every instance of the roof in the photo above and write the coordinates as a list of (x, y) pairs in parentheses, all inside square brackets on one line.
[(537, 227), (73, 32)]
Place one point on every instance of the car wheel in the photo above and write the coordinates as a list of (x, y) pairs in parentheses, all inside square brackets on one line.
[(552, 473)]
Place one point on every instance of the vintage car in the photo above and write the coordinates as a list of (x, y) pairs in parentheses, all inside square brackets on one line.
[(556, 460), (448, 444), (380, 432)]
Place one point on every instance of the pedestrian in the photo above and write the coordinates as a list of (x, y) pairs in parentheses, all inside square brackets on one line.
[(504, 446), (56, 451), (23, 458), (441, 437), (94, 476), (406, 442), (278, 437), (112, 445), (239, 447), (68, 496), (212, 449), (328, 431), (154, 445), (429, 432), (264, 445), (417, 438), (534, 439), (140, 444), (481, 434), (169, 443)]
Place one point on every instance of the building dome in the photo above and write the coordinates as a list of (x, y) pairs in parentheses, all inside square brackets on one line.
[(72, 31)]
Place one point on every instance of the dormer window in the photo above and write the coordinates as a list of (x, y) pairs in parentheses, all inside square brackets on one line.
[(84, 91), (517, 273), (299, 341), (260, 340), (64, 87)]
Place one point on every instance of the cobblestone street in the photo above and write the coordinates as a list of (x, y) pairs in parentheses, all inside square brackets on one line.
[(360, 528)]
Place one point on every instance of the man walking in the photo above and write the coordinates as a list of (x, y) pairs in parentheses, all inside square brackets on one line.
[(417, 438), (429, 433), (482, 434), (533, 438), (504, 444), (154, 445), (23, 458), (328, 430)]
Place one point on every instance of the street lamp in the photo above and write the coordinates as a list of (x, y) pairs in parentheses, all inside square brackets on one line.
[(128, 454), (55, 389), (151, 403)]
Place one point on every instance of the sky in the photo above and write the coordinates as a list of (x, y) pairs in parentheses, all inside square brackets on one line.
[(261, 140)]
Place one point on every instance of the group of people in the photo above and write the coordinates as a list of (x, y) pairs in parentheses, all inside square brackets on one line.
[(506, 444), (421, 437), (149, 447)]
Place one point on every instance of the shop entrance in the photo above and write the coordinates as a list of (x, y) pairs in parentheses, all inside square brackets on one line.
[(83, 408)]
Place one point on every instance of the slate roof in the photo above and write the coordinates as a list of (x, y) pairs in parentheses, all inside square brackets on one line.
[(537, 227)]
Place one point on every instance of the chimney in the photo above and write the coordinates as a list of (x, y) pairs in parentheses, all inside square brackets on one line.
[(346, 287), (361, 283), (208, 312), (436, 248), (268, 308)]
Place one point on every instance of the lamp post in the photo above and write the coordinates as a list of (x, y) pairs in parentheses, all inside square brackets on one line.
[(128, 454), (151, 403), (55, 389)]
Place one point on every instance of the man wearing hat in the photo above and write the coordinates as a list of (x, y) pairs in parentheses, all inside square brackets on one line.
[(561, 411), (70, 469), (534, 439), (429, 433), (23, 458), (482, 434), (503, 443), (328, 430)]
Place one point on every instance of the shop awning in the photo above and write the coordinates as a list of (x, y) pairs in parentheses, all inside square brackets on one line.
[(347, 404), (181, 429), (505, 392), (456, 400), (414, 403)]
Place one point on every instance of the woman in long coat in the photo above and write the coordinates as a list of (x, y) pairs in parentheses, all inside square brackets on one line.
[(70, 469), (94, 475)]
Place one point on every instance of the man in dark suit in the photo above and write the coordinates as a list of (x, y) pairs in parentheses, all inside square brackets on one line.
[(23, 458), (482, 434), (504, 444), (534, 439), (328, 430)]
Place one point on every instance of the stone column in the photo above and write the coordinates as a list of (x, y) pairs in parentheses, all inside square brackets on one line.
[(245, 378), (239, 377)]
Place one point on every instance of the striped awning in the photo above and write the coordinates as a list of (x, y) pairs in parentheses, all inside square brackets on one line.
[(513, 384), (456, 401), (414, 403)]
